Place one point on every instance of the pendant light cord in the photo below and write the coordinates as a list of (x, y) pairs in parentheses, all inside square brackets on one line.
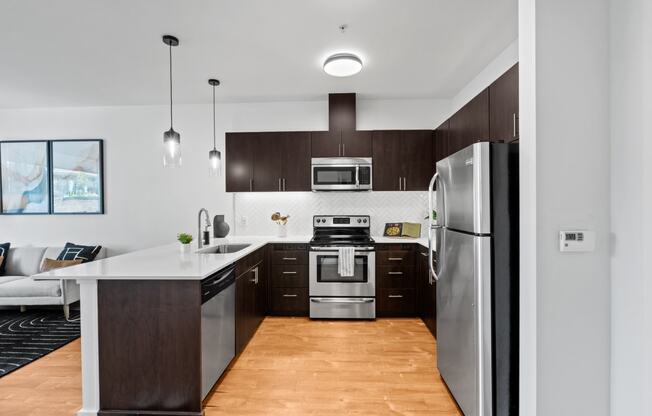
[(214, 141), (170, 86)]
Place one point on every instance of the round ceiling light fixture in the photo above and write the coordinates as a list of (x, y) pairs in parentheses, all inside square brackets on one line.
[(342, 65)]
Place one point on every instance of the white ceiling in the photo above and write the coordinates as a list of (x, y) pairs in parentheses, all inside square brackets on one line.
[(109, 52)]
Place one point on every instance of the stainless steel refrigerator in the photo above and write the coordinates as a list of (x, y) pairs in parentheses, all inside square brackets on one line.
[(476, 247)]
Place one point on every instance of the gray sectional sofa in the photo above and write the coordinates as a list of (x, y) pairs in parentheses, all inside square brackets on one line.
[(17, 288)]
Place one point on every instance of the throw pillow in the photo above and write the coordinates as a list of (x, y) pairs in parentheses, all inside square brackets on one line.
[(4, 254), (75, 251), (51, 264)]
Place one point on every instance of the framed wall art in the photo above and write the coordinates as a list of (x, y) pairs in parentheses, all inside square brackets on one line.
[(77, 176), (25, 177)]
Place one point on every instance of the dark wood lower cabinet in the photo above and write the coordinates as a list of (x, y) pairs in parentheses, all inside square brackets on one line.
[(149, 347), (289, 279), (426, 292), (395, 302), (251, 298)]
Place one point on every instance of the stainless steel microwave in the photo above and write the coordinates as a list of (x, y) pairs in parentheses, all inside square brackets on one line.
[(341, 174)]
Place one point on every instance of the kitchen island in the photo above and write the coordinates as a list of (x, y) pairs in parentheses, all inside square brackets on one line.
[(141, 325)]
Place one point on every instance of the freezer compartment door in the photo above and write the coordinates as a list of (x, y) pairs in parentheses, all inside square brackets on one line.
[(464, 320), (464, 193)]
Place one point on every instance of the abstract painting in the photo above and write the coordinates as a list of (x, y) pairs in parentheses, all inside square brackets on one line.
[(25, 176), (77, 183)]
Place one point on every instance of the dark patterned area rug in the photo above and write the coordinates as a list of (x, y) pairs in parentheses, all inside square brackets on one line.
[(26, 336)]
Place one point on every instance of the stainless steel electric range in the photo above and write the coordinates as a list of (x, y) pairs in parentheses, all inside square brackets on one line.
[(333, 296)]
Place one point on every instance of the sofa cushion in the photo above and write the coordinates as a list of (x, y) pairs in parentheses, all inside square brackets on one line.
[(28, 287), (24, 261), (50, 264), (6, 279), (4, 253), (75, 251)]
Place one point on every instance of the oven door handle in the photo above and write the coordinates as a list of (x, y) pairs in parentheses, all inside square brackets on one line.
[(341, 300), (357, 249)]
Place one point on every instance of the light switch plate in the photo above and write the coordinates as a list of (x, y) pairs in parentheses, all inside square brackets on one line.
[(576, 241)]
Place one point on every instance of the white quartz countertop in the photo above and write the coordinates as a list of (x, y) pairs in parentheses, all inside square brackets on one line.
[(168, 263)]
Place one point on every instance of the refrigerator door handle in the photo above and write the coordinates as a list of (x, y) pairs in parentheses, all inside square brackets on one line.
[(432, 274)]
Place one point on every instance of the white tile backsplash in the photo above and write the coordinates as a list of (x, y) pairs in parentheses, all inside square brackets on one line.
[(252, 211)]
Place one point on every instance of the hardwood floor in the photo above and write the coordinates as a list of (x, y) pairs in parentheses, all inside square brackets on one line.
[(292, 366)]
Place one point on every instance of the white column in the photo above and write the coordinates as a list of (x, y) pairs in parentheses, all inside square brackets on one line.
[(565, 148), (89, 349)]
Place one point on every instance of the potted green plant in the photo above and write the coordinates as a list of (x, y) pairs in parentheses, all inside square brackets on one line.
[(184, 240)]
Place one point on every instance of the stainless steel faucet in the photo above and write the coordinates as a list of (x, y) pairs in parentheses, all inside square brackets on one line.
[(200, 241)]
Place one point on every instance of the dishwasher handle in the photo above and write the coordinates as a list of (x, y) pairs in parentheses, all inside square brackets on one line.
[(216, 283)]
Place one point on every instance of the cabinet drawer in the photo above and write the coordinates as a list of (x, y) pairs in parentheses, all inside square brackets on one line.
[(290, 257), (290, 301), (289, 276), (395, 302), (396, 277), (395, 258), (289, 246)]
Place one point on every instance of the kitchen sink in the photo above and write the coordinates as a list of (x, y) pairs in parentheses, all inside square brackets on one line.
[(223, 249)]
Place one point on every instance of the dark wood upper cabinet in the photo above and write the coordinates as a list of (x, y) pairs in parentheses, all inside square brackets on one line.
[(341, 112), (441, 145), (503, 107), (239, 161), (356, 143), (267, 162), (402, 160), (295, 165), (386, 145), (416, 156), (471, 123), (326, 143)]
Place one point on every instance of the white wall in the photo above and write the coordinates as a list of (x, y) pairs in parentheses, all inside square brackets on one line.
[(631, 205), (565, 150), (498, 66), (148, 205)]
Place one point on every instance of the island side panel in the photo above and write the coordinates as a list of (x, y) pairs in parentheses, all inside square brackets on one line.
[(149, 347)]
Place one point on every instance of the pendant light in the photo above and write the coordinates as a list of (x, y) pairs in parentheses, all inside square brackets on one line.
[(171, 138), (214, 156)]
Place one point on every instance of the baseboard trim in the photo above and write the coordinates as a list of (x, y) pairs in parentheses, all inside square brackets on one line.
[(147, 413)]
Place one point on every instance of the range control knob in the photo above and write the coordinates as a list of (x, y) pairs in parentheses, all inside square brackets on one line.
[(359, 220), (365, 220)]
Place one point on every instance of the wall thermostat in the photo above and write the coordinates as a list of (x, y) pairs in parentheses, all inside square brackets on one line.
[(576, 241)]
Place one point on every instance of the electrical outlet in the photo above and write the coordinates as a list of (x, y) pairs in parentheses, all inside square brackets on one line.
[(243, 220)]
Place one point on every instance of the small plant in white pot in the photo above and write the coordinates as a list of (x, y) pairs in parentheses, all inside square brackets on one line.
[(281, 221), (184, 242)]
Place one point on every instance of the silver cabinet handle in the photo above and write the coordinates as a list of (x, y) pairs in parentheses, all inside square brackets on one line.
[(514, 125), (284, 188), (255, 272), (289, 272), (400, 184), (340, 300), (404, 183), (395, 296), (395, 258), (251, 185), (343, 149), (279, 185), (396, 273), (290, 296), (424, 254), (290, 258)]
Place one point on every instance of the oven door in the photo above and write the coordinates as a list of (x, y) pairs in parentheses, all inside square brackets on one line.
[(326, 281)]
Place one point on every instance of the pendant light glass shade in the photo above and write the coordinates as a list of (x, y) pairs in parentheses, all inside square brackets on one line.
[(171, 138), (214, 156), (215, 162), (171, 149)]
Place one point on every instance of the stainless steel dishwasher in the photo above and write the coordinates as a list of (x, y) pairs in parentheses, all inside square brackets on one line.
[(217, 326)]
